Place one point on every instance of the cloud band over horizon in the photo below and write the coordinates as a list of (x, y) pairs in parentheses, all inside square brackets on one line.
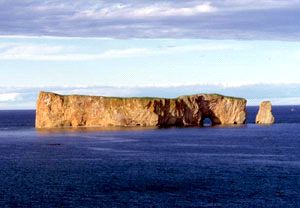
[(278, 94), (215, 19)]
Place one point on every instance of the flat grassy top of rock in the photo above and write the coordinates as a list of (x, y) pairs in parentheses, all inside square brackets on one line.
[(148, 98)]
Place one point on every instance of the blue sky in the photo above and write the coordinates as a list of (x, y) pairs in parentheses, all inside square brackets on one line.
[(146, 48)]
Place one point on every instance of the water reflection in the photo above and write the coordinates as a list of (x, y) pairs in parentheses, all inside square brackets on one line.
[(91, 129)]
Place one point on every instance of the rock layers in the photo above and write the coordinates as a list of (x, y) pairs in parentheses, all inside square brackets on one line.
[(265, 115), (55, 110)]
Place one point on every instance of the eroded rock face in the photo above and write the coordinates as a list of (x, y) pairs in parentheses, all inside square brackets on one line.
[(55, 110), (265, 115)]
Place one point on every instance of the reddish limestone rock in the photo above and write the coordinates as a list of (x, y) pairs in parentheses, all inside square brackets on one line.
[(55, 111)]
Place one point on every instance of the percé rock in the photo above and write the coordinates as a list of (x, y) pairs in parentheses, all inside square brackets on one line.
[(264, 115), (55, 110)]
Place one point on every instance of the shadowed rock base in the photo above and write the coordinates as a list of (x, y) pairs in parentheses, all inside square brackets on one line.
[(55, 110)]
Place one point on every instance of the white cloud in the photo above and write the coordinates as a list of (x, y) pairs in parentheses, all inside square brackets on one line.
[(5, 97), (59, 53), (153, 10), (236, 19), (45, 37), (12, 51), (50, 7), (138, 52), (257, 4), (25, 50), (168, 9)]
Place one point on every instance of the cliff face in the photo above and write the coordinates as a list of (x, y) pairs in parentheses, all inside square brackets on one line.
[(55, 110), (264, 115)]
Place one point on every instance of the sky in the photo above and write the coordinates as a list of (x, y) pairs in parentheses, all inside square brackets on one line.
[(157, 48)]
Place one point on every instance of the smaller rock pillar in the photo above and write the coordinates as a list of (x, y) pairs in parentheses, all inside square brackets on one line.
[(264, 115)]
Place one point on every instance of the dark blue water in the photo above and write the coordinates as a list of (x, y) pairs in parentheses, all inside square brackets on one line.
[(246, 166)]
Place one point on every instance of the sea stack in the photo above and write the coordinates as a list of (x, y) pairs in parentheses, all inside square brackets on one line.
[(264, 115), (54, 111)]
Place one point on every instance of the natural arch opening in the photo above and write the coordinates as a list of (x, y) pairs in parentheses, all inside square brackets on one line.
[(207, 122)]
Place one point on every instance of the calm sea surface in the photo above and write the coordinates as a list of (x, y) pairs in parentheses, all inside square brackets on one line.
[(245, 166)]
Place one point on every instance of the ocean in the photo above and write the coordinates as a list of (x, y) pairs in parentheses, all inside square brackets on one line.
[(221, 166)]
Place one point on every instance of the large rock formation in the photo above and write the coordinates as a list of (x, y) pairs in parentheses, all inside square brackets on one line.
[(55, 110), (264, 115)]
